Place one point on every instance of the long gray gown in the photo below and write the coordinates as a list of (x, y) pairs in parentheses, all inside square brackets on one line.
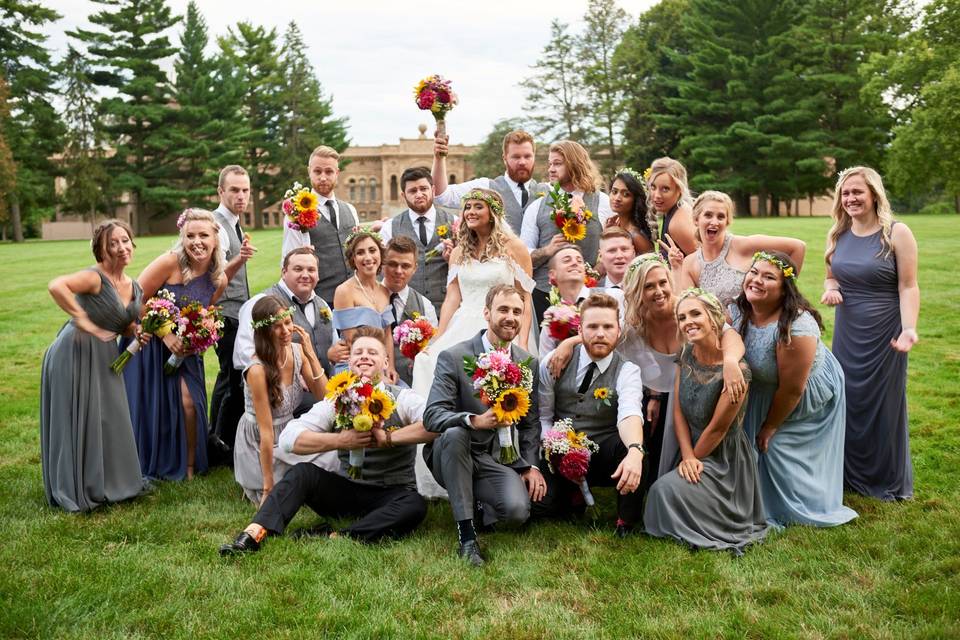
[(724, 511), (87, 449), (876, 459)]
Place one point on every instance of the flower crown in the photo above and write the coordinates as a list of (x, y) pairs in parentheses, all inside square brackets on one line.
[(641, 178), (787, 270), (495, 205), (650, 257), (269, 320), (700, 293), (355, 231)]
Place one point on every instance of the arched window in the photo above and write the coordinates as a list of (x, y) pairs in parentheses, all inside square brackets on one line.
[(373, 189), (363, 190), (452, 179), (352, 188), (394, 193)]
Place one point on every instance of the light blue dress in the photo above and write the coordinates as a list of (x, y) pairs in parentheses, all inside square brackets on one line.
[(346, 319), (801, 474)]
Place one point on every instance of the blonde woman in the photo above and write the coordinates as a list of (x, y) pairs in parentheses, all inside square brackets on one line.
[(669, 196), (872, 281), (169, 412)]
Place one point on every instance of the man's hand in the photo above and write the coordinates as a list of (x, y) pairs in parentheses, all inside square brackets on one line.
[(629, 472), (535, 483), (246, 248), (485, 420), (440, 144), (353, 439)]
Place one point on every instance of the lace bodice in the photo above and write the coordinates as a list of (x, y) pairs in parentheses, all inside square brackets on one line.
[(476, 278), (291, 393)]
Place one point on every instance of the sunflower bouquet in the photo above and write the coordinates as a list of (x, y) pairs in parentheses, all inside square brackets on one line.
[(361, 405), (200, 328), (505, 386), (572, 224), (159, 320), (434, 94), (568, 453), (300, 207)]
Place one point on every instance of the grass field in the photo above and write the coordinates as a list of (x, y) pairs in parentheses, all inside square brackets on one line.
[(149, 568)]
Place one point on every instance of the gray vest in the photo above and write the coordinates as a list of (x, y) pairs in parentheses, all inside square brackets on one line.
[(404, 364), (237, 291), (511, 205), (388, 466), (431, 277), (589, 414), (329, 245), (321, 333), (589, 246)]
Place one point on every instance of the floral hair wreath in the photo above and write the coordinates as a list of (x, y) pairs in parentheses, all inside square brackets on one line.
[(356, 231), (639, 177), (698, 292), (495, 206), (269, 320), (786, 269), (653, 257)]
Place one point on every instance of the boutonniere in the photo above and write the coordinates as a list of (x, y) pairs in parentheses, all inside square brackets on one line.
[(604, 395), (325, 314), (442, 231)]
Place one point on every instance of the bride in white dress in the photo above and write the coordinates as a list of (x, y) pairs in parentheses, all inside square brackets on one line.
[(488, 253)]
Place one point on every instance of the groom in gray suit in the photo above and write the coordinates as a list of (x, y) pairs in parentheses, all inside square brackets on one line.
[(464, 459)]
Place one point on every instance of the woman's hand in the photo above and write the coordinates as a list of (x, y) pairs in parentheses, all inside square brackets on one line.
[(653, 413), (305, 340), (612, 221), (392, 376), (560, 358), (831, 297), (733, 381), (85, 324), (674, 253), (175, 345), (763, 438), (690, 470), (905, 341)]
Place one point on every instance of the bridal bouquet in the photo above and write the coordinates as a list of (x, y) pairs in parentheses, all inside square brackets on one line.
[(505, 386), (200, 328), (435, 95), (300, 207), (572, 224), (561, 319), (568, 453), (413, 335), (159, 320), (361, 405)]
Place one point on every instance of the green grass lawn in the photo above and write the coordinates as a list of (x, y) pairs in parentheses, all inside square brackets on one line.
[(149, 568)]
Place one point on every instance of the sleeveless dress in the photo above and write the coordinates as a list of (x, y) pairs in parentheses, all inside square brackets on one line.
[(723, 511), (801, 474), (877, 447), (246, 450), (156, 409), (719, 277), (353, 317), (475, 279), (87, 450)]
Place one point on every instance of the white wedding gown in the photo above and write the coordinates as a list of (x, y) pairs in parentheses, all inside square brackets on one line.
[(475, 279)]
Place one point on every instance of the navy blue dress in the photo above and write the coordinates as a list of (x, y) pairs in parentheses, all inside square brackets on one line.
[(156, 409)]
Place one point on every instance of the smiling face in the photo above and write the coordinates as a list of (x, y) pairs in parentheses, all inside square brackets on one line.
[(857, 199), (712, 219), (119, 248), (665, 193), (600, 329), (365, 258), (519, 159), (368, 357), (323, 174), (657, 294), (199, 240), (695, 323), (503, 316), (419, 195), (557, 169), (281, 332), (621, 198), (476, 215), (567, 266), (398, 268), (300, 275), (615, 256), (763, 284)]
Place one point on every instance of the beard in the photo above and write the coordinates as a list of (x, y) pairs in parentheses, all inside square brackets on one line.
[(505, 331), (420, 208), (519, 176)]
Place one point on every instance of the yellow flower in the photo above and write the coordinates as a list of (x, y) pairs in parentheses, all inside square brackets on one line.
[(511, 405), (442, 231), (379, 405), (646, 174), (601, 393), (164, 329), (325, 314), (788, 272), (587, 214), (339, 383), (573, 230), (305, 201), (362, 422)]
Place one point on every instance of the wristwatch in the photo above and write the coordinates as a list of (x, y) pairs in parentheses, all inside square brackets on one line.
[(638, 446)]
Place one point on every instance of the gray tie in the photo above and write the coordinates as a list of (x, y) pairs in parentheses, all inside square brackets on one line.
[(332, 213)]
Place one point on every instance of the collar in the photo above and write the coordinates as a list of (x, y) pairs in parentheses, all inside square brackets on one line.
[(322, 200), (287, 290), (608, 284), (403, 294), (516, 185), (585, 361), (487, 345), (584, 292), (430, 214), (229, 215)]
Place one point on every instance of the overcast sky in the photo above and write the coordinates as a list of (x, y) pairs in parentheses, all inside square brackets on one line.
[(368, 54)]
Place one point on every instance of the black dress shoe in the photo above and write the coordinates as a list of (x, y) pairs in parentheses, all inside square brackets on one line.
[(470, 551), (321, 530), (244, 543), (623, 530)]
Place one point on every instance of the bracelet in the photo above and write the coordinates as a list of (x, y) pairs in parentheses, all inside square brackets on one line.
[(638, 446), (832, 289), (389, 438), (316, 377)]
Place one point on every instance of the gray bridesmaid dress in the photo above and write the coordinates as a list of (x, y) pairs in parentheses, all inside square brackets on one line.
[(876, 458), (87, 449), (724, 511)]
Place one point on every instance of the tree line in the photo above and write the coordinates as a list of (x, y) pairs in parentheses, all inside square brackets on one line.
[(110, 120)]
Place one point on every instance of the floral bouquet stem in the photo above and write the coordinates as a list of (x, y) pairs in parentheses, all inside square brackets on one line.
[(585, 490), (508, 452), (160, 319), (172, 364), (356, 456)]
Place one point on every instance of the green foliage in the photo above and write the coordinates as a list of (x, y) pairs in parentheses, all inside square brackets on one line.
[(487, 160), (603, 27), (8, 171)]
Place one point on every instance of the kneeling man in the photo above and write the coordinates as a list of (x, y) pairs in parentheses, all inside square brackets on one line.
[(385, 500)]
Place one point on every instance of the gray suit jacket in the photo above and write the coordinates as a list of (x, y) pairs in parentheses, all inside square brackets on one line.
[(452, 400)]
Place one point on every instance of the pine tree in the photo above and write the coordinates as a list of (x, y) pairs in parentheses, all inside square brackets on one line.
[(206, 130), (8, 170), (555, 91), (307, 120), (84, 168), (32, 131), (126, 53), (252, 52), (603, 28)]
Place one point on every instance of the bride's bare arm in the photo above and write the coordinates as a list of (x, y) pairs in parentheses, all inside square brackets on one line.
[(453, 298), (521, 255)]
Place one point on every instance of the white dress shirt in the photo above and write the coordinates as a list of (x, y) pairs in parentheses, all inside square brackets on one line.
[(386, 231), (296, 239), (629, 387), (222, 235), (320, 418), (400, 305), (530, 232), (454, 192)]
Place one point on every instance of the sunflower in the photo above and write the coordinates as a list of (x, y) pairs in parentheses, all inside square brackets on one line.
[(305, 200), (511, 405), (339, 383), (573, 230), (379, 405), (601, 393)]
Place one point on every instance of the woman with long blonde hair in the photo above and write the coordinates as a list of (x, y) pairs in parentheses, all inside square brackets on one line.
[(669, 196), (872, 281)]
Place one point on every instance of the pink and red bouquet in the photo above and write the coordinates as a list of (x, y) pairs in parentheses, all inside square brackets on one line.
[(435, 95), (160, 319), (413, 335), (361, 405), (504, 386), (568, 453), (592, 277), (199, 327), (300, 208), (561, 319)]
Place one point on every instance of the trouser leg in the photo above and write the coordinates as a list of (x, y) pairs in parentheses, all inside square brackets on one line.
[(451, 463)]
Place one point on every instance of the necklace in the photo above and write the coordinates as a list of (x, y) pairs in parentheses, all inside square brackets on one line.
[(286, 356), (373, 304)]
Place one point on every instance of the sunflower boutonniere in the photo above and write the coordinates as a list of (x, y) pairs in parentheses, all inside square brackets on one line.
[(442, 231), (604, 395), (325, 314)]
